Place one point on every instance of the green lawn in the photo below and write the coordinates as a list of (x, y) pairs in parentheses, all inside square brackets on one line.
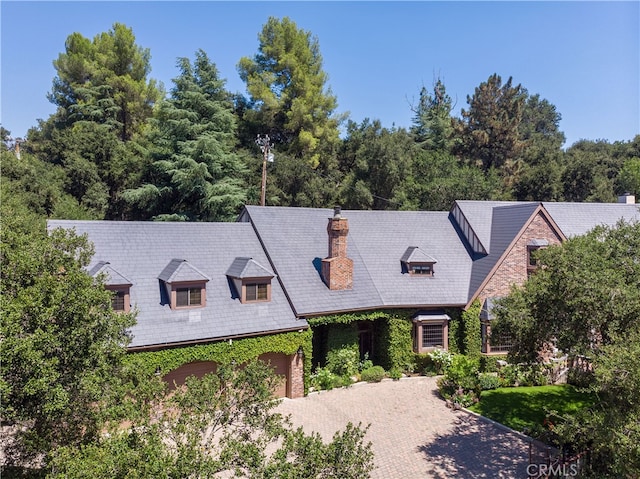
[(528, 406)]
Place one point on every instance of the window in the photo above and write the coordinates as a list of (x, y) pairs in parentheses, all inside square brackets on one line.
[(501, 343), (118, 300), (425, 269), (257, 292), (532, 262), (432, 335), (186, 297)]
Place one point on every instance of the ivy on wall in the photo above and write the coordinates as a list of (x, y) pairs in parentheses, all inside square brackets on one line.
[(454, 331), (225, 352), (472, 339), (394, 346)]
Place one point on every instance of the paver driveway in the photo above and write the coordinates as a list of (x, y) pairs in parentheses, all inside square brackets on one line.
[(414, 435)]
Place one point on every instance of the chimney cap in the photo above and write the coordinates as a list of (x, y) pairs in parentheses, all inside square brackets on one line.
[(337, 212)]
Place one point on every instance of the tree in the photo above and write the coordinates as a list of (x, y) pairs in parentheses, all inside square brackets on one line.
[(194, 173), (585, 292), (489, 128), (432, 122), (590, 171), (289, 97), (376, 163), (103, 101), (541, 158), (105, 81), (585, 299), (223, 423), (61, 342), (629, 177)]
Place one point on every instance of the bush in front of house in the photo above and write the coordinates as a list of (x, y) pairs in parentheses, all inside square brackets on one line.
[(343, 361), (374, 374), (460, 385), (441, 360), (488, 381)]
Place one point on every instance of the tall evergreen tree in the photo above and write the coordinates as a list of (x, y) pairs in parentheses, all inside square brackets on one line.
[(489, 128), (194, 173), (103, 100), (289, 97), (432, 123)]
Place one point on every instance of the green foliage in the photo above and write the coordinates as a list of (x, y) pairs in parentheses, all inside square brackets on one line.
[(525, 407), (455, 331), (343, 362), (441, 360), (489, 128), (239, 351), (194, 174), (432, 122), (396, 346), (488, 381), (376, 162), (62, 344), (629, 177), (288, 91), (489, 364), (471, 334), (587, 288), (220, 424), (461, 383), (374, 374)]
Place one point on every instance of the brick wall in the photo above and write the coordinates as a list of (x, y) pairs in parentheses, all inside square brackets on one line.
[(513, 269), (296, 377)]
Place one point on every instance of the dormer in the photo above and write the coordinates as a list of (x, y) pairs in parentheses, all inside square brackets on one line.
[(251, 280), (115, 282), (416, 262), (185, 284)]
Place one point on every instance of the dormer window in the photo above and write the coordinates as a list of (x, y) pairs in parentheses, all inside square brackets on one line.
[(416, 262), (251, 280), (115, 282), (417, 268), (185, 284)]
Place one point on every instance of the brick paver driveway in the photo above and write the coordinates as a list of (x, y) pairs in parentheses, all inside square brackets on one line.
[(414, 435)]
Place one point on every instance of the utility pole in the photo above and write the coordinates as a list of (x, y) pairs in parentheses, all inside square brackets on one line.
[(264, 142)]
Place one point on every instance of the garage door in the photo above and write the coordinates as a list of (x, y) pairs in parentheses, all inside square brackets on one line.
[(198, 369), (280, 363)]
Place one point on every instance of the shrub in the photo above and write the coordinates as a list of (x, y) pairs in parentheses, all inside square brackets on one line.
[(366, 363), (441, 360), (374, 374), (488, 381), (323, 379), (511, 375), (461, 383), (395, 373), (343, 361)]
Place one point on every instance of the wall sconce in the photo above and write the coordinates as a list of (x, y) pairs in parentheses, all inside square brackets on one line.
[(300, 352)]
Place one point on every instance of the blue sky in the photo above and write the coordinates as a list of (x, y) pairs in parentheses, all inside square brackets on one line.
[(584, 57)]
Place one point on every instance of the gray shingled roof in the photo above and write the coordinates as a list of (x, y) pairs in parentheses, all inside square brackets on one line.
[(112, 277), (575, 219), (142, 250), (296, 241), (416, 255), (248, 268), (179, 270)]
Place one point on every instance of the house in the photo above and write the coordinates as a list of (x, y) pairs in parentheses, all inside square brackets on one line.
[(194, 284), (278, 269)]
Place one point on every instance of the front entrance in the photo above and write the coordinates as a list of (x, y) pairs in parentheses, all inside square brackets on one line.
[(365, 339)]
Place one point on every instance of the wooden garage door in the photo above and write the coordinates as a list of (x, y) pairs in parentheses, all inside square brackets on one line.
[(280, 363), (198, 369)]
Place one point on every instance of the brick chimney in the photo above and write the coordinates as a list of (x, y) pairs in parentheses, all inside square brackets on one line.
[(337, 269)]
